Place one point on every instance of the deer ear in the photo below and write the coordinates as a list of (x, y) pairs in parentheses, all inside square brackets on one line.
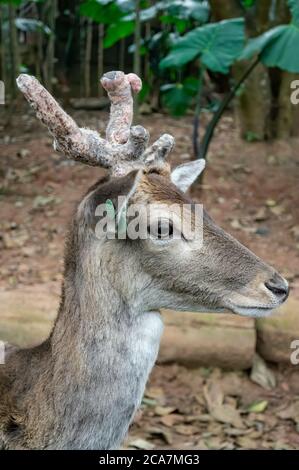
[(184, 175)]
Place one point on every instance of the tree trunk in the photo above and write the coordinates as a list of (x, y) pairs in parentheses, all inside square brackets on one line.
[(137, 39), (14, 49), (147, 66), (100, 57), (51, 45), (122, 55), (254, 102), (4, 47), (39, 55), (88, 46), (82, 35), (286, 123), (286, 110)]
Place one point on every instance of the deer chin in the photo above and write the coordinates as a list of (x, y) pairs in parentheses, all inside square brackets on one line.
[(252, 311)]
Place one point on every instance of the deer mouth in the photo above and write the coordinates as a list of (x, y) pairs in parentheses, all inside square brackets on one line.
[(260, 299), (252, 311)]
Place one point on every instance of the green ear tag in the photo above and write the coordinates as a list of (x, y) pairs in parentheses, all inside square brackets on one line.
[(122, 222), (110, 209)]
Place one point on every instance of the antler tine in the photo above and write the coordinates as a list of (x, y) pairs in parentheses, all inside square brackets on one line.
[(82, 145), (119, 88), (119, 131), (160, 149)]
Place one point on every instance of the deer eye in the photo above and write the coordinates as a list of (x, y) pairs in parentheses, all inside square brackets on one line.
[(161, 229)]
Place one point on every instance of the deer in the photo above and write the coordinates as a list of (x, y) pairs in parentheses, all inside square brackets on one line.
[(80, 388)]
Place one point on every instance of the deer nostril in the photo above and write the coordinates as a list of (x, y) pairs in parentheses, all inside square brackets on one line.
[(278, 286)]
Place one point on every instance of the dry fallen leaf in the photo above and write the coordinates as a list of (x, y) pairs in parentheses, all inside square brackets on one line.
[(261, 374), (201, 445), (170, 420), (295, 232), (141, 444), (247, 443), (271, 203), (227, 414), (236, 432), (224, 413), (185, 430), (290, 412), (154, 392), (165, 434), (277, 210), (213, 394), (261, 215), (164, 410)]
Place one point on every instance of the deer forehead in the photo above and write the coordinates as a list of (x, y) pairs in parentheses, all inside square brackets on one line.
[(158, 188)]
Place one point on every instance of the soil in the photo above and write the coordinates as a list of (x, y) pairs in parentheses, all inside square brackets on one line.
[(250, 189)]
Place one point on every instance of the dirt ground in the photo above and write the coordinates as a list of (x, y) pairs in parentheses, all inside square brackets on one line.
[(250, 189)]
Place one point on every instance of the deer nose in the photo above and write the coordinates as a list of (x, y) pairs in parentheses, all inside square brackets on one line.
[(278, 286)]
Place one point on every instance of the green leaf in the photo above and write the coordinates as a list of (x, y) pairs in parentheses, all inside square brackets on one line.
[(144, 92), (257, 45), (294, 8), (258, 407), (178, 96), (199, 10), (278, 46), (12, 2), (142, 50), (118, 31), (180, 24), (31, 25), (145, 15), (284, 52), (191, 85), (248, 3), (102, 11), (217, 45)]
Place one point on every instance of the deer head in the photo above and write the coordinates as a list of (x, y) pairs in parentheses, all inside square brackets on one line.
[(211, 271)]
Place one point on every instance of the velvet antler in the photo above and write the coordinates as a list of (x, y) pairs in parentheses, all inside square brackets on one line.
[(124, 147)]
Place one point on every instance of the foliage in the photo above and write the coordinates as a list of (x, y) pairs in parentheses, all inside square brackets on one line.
[(31, 25), (177, 97), (277, 47), (179, 46), (216, 44), (11, 2)]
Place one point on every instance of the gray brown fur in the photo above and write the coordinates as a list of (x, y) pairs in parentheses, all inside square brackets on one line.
[(81, 387)]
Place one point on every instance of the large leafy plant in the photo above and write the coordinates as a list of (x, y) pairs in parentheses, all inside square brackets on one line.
[(217, 46), (278, 47)]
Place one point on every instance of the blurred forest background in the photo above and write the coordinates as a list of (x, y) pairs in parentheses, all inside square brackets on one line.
[(189, 53), (217, 75)]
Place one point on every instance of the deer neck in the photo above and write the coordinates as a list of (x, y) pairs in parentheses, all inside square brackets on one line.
[(103, 352)]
